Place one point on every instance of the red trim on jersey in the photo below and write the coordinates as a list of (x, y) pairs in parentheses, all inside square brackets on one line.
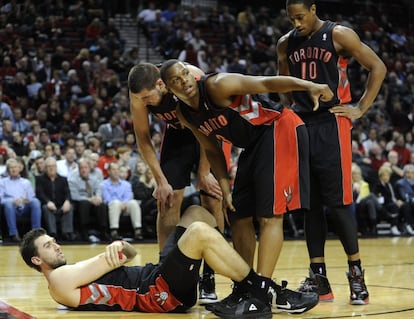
[(286, 162), (253, 111), (158, 299), (344, 87), (344, 137), (226, 147)]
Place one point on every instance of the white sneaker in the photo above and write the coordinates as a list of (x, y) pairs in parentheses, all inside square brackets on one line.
[(395, 231), (93, 239), (409, 229)]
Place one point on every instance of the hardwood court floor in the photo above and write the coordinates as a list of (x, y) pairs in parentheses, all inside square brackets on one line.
[(389, 265)]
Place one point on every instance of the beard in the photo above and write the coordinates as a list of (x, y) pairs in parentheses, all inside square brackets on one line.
[(57, 263)]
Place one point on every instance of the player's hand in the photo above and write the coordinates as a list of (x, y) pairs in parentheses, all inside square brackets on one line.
[(320, 92), (164, 195), (347, 110), (113, 254), (228, 207), (209, 184)]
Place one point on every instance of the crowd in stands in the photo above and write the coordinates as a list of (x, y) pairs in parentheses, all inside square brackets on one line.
[(66, 124)]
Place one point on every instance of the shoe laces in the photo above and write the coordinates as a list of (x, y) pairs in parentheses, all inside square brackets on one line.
[(308, 284)]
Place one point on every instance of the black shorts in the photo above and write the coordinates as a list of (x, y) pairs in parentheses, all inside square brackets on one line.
[(180, 154), (182, 275), (330, 159), (273, 174)]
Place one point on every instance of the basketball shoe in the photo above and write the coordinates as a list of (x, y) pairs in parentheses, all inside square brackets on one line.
[(359, 291), (319, 284), (207, 289)]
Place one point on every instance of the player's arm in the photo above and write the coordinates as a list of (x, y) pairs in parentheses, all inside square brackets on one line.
[(215, 157), (223, 86), (348, 43), (283, 69), (65, 281), (142, 132)]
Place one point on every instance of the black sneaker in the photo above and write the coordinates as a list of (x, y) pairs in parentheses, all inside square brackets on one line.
[(319, 284), (246, 307), (207, 289), (359, 291), (286, 300), (230, 300)]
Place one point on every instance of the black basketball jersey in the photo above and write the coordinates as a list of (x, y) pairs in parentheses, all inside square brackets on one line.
[(166, 110), (315, 59), (240, 124)]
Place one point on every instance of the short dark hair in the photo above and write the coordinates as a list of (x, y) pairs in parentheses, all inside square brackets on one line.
[(165, 66), (143, 76), (28, 248), (306, 3)]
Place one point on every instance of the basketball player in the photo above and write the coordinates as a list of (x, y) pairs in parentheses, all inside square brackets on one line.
[(319, 50), (104, 283), (180, 153), (272, 176)]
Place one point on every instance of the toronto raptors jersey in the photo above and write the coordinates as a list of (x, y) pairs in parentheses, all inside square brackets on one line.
[(240, 124), (315, 59), (130, 289), (166, 111)]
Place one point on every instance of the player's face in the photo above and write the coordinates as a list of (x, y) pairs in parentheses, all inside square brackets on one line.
[(302, 18), (49, 252), (150, 97), (181, 82)]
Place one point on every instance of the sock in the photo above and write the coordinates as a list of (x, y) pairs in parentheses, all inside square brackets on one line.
[(318, 268), (355, 263), (255, 284)]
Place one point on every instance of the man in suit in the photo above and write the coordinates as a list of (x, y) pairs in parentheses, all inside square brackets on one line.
[(405, 190)]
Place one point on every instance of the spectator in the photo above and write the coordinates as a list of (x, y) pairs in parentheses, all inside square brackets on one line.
[(53, 193), (90, 209), (405, 192), (391, 206), (19, 123), (80, 147), (84, 131), (396, 170), (18, 199), (402, 151), (117, 194), (143, 185), (68, 164), (112, 131), (108, 157)]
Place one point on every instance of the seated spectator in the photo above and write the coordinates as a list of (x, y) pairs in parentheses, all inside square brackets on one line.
[(405, 192), (143, 185), (384, 191), (112, 131), (90, 209), (19, 123), (54, 195), (117, 194), (401, 149), (39, 166), (108, 157), (80, 147), (367, 205), (84, 132), (396, 170), (18, 199), (68, 164)]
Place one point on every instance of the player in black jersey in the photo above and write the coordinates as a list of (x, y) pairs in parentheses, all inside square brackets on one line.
[(271, 178), (319, 51), (104, 283), (180, 154)]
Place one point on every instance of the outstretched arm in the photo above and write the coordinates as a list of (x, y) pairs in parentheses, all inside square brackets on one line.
[(224, 86)]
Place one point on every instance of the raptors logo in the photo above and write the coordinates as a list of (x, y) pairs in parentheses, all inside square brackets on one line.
[(162, 297), (288, 193)]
